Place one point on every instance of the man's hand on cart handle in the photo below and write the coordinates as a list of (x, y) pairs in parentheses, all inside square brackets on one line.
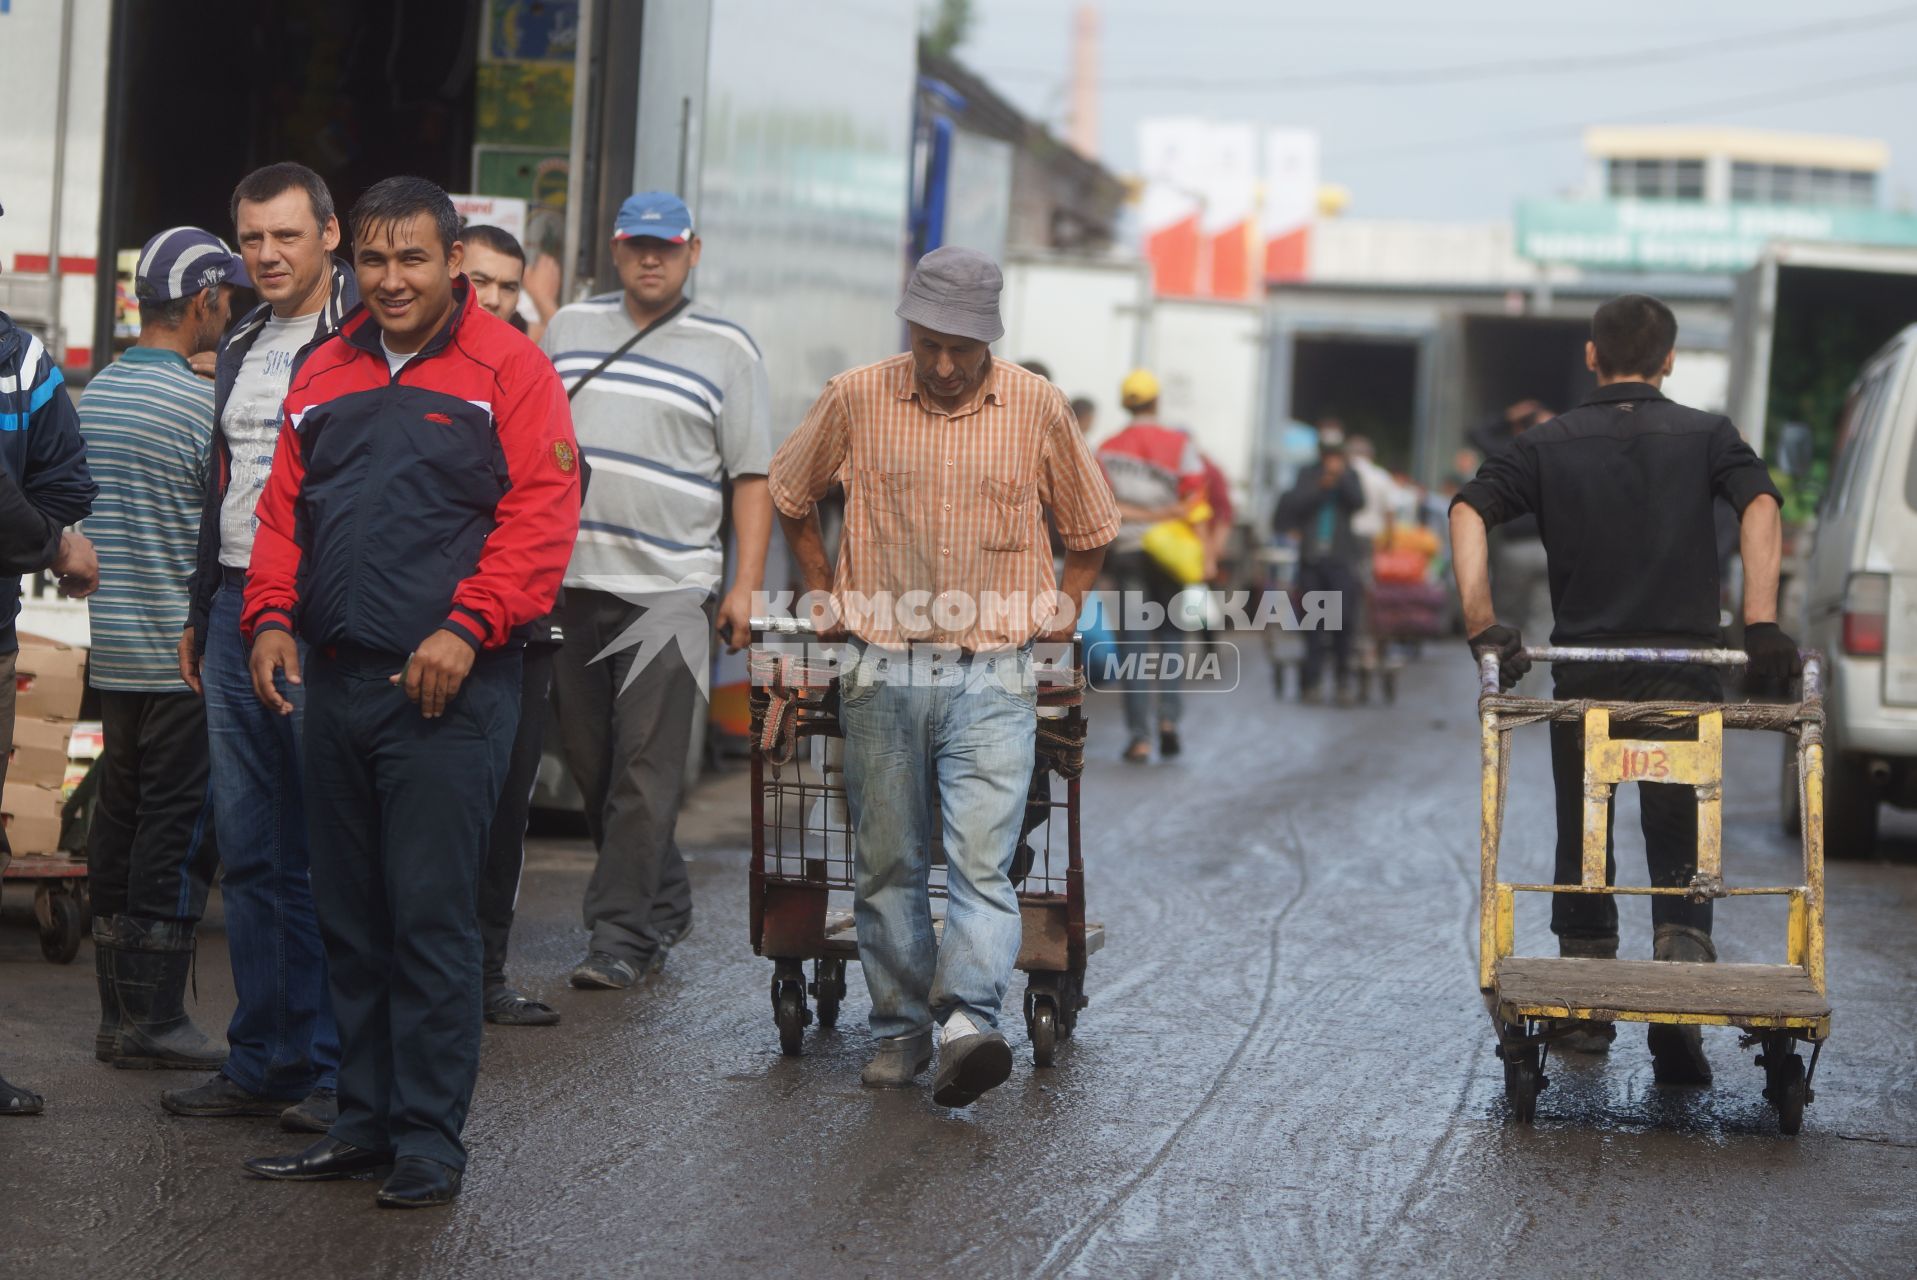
[(1512, 664), (273, 652), (1773, 659)]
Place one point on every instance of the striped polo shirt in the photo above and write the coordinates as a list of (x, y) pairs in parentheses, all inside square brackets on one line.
[(148, 423), (664, 427)]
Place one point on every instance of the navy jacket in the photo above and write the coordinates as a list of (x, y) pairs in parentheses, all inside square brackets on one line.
[(40, 447), (443, 497), (340, 299)]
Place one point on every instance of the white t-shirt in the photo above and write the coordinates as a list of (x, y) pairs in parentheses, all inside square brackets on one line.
[(1381, 493), (395, 360), (251, 424)]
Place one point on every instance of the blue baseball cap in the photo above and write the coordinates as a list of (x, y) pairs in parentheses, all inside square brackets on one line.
[(659, 215), (181, 261)]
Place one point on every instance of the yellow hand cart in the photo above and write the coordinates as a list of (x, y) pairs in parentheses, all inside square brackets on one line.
[(1533, 998)]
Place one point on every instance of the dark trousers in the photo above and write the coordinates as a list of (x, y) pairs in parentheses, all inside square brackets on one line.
[(1140, 579), (397, 810), (626, 746), (150, 848), (1668, 812), (506, 844), (1326, 574)]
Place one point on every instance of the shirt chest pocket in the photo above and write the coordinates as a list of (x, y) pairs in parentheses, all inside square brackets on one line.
[(886, 497), (1006, 506)]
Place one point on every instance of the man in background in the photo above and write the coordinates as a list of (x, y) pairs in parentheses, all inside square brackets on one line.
[(283, 1048), (148, 423), (1156, 474), (495, 264), (671, 406), (1318, 510)]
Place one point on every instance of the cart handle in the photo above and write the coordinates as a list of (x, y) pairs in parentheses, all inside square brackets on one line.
[(1488, 661)]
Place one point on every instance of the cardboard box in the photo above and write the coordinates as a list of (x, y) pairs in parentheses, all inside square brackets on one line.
[(50, 679), (32, 817), (42, 751)]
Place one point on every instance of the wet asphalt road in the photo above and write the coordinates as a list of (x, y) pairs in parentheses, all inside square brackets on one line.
[(1285, 1070)]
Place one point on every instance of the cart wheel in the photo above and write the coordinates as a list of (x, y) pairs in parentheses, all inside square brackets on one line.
[(1044, 1029), (1521, 1080), (60, 933), (1785, 1086), (791, 1015), (828, 985)]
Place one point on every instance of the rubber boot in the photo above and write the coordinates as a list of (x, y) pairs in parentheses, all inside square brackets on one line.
[(151, 965), (1586, 1035), (1677, 1052), (106, 1041)]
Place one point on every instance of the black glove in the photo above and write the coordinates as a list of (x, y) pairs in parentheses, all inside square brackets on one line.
[(1773, 658), (1512, 664)]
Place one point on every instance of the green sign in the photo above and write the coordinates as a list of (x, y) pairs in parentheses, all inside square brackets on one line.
[(1681, 235)]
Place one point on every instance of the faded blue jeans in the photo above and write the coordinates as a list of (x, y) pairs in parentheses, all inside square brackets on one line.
[(971, 725), (283, 1043)]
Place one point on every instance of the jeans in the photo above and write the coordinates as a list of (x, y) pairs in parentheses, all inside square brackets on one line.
[(151, 851), (1140, 580), (968, 724), (1667, 811), (283, 1043), (1330, 575), (626, 746), (401, 805)]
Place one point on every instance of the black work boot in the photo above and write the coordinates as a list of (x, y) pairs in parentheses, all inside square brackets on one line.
[(1677, 1052), (106, 1041), (151, 964), (1586, 1035)]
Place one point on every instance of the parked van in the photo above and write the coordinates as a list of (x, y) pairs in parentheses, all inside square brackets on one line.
[(1860, 606)]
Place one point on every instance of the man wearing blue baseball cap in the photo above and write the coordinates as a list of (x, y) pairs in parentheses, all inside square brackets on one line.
[(671, 408), (148, 424)]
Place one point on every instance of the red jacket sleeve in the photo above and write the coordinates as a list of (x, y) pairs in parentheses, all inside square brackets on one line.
[(272, 574), (537, 522)]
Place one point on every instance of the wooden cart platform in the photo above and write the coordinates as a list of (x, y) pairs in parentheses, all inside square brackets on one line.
[(1772, 996)]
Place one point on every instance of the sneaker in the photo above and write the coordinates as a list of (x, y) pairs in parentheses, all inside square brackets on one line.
[(220, 1097), (899, 1061), (970, 1064), (313, 1114), (604, 970)]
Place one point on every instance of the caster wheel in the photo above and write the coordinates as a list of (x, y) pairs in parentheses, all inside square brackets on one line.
[(828, 985), (791, 1014), (1044, 1029), (1785, 1088), (1524, 1079), (61, 928)]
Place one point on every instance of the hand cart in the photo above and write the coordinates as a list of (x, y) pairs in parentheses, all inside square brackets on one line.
[(1531, 997), (804, 849)]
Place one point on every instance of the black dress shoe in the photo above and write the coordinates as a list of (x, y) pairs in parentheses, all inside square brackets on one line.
[(326, 1159), (419, 1183)]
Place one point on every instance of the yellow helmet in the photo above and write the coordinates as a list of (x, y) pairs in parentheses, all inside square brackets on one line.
[(1139, 388)]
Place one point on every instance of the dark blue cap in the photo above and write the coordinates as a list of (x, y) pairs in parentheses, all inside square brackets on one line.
[(181, 261), (659, 215)]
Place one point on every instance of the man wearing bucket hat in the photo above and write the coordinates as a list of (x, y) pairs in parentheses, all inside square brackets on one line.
[(148, 423), (949, 460)]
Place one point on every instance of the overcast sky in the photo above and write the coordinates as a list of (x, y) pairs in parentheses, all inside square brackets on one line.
[(1506, 86)]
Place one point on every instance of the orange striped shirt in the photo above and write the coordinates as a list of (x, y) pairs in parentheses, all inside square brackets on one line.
[(945, 538)]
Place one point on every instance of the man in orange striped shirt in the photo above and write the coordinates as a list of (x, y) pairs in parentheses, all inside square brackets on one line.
[(949, 461)]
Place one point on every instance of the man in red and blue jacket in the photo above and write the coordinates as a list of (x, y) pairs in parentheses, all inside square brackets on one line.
[(420, 512)]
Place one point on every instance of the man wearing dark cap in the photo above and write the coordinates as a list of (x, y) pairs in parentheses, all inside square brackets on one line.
[(148, 423), (944, 579), (673, 415)]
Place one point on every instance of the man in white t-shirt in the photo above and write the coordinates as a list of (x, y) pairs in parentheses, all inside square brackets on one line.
[(283, 1048)]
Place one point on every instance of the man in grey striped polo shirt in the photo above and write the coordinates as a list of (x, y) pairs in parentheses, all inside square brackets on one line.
[(669, 424), (148, 424)]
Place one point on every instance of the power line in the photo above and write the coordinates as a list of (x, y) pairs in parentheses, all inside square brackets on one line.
[(1398, 77), (1555, 132)]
